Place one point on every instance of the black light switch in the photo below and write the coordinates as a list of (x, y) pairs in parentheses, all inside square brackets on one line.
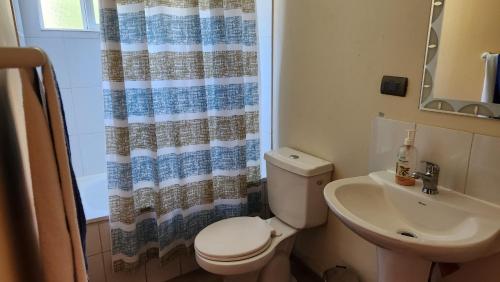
[(394, 85)]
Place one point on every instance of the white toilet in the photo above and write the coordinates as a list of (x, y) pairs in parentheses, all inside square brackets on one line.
[(253, 249)]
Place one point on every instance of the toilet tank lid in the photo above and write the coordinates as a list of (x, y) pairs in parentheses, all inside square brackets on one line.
[(298, 162)]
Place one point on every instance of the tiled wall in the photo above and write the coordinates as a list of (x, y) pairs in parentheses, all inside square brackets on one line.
[(469, 162), (78, 70), (76, 59), (100, 268)]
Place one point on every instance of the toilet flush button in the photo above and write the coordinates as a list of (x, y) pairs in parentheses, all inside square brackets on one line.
[(293, 157)]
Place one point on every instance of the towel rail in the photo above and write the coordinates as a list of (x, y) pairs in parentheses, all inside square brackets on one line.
[(486, 54), (22, 57)]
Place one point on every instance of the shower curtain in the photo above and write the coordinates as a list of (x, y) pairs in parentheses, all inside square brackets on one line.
[(181, 99)]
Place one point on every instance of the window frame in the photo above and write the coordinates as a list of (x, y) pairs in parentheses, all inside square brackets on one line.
[(88, 17)]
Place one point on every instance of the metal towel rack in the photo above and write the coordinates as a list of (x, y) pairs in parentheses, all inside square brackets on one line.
[(486, 54), (22, 57)]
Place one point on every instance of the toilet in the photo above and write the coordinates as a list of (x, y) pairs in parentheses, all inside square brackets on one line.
[(252, 249)]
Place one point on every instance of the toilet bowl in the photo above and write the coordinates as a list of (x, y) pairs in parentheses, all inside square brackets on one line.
[(248, 249)]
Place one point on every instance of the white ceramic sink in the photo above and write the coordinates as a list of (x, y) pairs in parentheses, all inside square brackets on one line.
[(448, 227)]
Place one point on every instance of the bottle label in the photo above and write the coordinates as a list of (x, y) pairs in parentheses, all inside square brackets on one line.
[(403, 174), (402, 169)]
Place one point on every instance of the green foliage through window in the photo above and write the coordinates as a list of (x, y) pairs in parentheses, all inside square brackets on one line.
[(70, 14), (95, 5)]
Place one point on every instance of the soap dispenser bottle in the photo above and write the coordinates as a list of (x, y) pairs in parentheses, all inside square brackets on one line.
[(407, 161)]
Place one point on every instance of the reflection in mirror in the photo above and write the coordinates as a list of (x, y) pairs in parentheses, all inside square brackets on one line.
[(462, 71)]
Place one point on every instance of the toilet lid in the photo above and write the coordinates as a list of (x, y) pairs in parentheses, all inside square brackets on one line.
[(234, 239)]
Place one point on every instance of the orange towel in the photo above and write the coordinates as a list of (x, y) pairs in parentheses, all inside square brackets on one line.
[(59, 238)]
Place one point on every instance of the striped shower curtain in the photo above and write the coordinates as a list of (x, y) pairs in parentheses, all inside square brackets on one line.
[(181, 96)]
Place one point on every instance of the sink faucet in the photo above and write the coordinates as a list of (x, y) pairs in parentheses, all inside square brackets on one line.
[(429, 177)]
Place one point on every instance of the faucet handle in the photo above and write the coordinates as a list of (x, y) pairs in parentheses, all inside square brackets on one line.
[(431, 168)]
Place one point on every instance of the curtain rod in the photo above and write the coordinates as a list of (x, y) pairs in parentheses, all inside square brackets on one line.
[(22, 57)]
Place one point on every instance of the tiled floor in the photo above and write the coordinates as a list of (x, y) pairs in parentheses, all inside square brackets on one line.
[(198, 276), (299, 271)]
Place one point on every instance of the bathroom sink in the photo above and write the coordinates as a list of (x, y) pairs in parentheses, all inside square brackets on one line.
[(448, 227)]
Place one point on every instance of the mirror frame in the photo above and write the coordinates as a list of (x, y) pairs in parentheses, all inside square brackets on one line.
[(443, 105)]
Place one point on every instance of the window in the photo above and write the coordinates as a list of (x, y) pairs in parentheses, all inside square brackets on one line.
[(70, 14), (95, 6)]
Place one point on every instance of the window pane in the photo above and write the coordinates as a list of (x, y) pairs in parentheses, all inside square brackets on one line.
[(95, 5), (62, 14)]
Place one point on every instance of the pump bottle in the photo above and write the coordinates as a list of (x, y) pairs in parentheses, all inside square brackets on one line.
[(406, 161)]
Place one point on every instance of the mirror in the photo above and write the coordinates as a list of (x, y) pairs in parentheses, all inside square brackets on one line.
[(462, 71)]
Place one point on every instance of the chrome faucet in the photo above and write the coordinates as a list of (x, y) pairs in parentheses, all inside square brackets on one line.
[(430, 178)]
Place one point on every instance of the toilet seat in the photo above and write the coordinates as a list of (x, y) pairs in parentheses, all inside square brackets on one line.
[(234, 239), (253, 263)]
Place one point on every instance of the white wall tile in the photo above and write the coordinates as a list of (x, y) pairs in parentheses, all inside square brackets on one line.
[(69, 110), (30, 18), (32, 24), (447, 148), (84, 62), (54, 47), (96, 268), (89, 109), (76, 157), (93, 153), (160, 273), (484, 167), (93, 242), (105, 236), (76, 59), (137, 275), (22, 40), (387, 136)]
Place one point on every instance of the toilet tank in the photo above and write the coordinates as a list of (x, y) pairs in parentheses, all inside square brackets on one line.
[(295, 182)]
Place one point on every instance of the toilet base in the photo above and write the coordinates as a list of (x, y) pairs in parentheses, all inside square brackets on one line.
[(277, 270)]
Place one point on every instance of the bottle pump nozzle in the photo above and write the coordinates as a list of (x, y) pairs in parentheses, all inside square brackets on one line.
[(410, 138)]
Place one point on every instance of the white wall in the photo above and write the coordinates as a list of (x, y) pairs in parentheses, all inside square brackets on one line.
[(264, 30), (329, 58), (76, 59)]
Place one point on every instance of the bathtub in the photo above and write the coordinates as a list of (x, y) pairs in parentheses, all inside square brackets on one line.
[(94, 194)]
